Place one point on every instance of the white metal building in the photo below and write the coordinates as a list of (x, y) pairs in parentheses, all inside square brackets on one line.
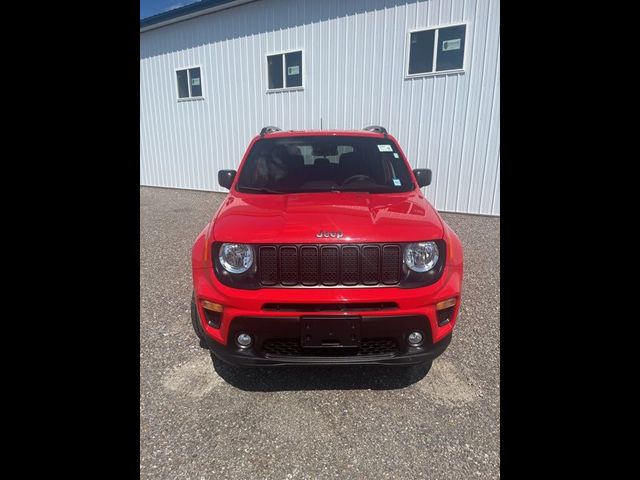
[(213, 73)]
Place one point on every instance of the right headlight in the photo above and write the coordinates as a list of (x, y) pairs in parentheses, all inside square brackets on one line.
[(236, 257), (422, 256)]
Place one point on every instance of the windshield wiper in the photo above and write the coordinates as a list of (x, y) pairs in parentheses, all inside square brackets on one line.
[(258, 189), (342, 190), (366, 189)]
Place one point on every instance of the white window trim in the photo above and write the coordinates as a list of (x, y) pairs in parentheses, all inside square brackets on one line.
[(436, 38), (189, 98), (284, 71)]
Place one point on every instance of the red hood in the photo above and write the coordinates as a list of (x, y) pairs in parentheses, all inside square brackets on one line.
[(298, 218)]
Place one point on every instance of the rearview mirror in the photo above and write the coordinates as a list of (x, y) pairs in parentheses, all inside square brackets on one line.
[(423, 176), (225, 178)]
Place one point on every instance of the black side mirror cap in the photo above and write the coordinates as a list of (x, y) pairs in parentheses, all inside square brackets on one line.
[(225, 178), (423, 176)]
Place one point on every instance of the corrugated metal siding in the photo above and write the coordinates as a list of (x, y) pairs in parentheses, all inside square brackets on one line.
[(353, 72)]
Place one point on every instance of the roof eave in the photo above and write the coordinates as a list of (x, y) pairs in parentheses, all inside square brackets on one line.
[(160, 22)]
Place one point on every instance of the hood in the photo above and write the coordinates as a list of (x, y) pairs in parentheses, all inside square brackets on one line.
[(298, 218)]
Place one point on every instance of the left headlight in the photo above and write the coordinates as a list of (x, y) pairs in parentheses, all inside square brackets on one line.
[(421, 257), (236, 257)]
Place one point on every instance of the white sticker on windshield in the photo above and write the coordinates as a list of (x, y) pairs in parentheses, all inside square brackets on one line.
[(396, 155), (396, 182), (385, 148)]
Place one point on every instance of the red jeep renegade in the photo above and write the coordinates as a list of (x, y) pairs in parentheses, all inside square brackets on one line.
[(325, 252)]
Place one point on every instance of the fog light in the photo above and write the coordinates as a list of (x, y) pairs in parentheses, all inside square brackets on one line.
[(415, 339), (244, 340)]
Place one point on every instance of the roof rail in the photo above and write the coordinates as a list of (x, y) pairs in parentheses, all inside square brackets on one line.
[(376, 129), (266, 130)]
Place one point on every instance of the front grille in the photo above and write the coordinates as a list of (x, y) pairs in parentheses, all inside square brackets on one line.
[(281, 347), (308, 264), (269, 262), (370, 265), (287, 347), (378, 346), (288, 266), (329, 262), (350, 265), (329, 265)]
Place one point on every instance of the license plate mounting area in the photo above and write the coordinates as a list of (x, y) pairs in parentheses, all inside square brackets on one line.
[(323, 332)]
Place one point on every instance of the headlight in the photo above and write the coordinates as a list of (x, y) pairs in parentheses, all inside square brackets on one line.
[(421, 257), (236, 257)]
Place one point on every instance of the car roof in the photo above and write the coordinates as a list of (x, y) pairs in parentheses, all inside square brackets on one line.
[(324, 133)]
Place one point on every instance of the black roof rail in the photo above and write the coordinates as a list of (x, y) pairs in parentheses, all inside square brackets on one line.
[(376, 129), (266, 130)]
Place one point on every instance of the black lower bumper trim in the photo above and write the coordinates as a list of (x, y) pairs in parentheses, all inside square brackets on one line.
[(413, 356)]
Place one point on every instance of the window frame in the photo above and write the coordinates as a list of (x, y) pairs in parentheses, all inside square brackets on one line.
[(434, 73), (189, 98), (284, 71)]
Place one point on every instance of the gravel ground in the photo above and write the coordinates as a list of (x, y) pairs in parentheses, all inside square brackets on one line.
[(200, 420)]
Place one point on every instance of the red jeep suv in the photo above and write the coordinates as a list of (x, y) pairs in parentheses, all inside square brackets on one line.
[(324, 252)]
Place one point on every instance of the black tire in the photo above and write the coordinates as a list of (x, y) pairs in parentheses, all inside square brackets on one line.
[(195, 321)]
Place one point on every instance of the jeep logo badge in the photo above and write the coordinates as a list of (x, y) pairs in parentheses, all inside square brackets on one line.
[(324, 234)]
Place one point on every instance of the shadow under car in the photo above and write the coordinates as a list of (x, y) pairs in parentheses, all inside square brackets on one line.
[(342, 377)]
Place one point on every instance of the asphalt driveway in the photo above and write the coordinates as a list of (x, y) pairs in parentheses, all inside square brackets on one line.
[(201, 420)]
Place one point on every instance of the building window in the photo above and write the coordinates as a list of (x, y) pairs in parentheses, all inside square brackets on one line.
[(437, 50), (285, 70), (189, 83)]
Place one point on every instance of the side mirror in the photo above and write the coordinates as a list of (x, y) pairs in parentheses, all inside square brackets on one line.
[(423, 176), (225, 178)]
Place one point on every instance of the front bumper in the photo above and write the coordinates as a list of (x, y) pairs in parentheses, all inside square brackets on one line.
[(245, 311), (256, 356)]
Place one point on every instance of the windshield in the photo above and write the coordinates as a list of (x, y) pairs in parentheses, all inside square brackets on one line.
[(323, 163)]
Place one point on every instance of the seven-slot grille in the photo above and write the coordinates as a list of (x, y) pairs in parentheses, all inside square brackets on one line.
[(329, 265)]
